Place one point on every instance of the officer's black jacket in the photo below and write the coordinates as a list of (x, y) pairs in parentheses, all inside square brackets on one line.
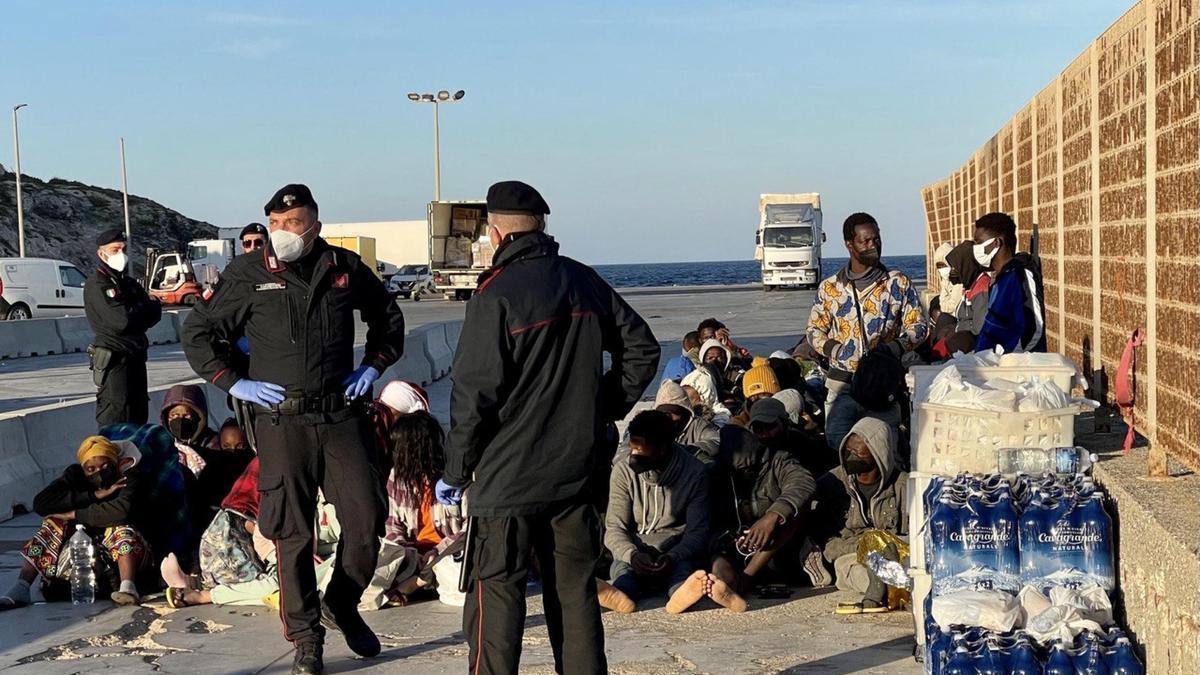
[(530, 396), (119, 311), (301, 332)]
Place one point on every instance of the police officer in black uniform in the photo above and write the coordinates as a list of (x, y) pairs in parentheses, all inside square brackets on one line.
[(529, 407), (295, 303), (253, 237), (120, 312)]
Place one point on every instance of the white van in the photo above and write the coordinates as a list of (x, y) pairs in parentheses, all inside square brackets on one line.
[(39, 288)]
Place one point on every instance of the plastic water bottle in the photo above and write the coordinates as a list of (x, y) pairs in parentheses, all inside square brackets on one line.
[(1089, 660), (1059, 662), (1122, 660), (83, 576), (1037, 461), (993, 660), (1023, 660), (960, 663)]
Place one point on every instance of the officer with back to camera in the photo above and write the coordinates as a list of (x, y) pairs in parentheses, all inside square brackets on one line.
[(295, 302), (530, 403), (120, 312)]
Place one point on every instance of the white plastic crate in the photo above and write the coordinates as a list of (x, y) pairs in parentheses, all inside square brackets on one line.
[(920, 377), (922, 587), (947, 440), (914, 493)]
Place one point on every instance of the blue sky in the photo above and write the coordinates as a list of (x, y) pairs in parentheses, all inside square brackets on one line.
[(650, 128)]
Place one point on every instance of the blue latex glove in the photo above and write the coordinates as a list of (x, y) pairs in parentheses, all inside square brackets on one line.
[(265, 394), (358, 382), (446, 494), (243, 345)]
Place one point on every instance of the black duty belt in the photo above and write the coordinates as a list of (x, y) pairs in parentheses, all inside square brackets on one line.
[(309, 405)]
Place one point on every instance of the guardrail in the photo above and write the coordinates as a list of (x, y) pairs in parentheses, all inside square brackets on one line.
[(37, 444)]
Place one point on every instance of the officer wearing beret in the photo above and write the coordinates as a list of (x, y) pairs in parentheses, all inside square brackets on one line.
[(253, 237), (120, 312), (529, 406), (295, 303)]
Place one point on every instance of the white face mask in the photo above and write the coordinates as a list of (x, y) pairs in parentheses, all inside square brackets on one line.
[(944, 273), (984, 258), (117, 261), (288, 246)]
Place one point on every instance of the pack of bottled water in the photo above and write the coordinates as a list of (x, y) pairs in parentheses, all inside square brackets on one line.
[(973, 651), (1066, 536), (985, 533), (971, 538)]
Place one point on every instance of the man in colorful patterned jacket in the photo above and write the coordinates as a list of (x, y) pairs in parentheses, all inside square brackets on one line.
[(864, 307)]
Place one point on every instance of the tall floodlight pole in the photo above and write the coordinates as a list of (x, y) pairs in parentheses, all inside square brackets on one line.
[(20, 210), (125, 194), (437, 99)]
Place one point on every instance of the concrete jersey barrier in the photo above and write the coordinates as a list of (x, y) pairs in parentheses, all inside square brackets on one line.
[(33, 337), (20, 477), (75, 333)]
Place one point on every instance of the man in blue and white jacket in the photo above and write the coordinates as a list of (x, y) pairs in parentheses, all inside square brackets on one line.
[(1016, 309)]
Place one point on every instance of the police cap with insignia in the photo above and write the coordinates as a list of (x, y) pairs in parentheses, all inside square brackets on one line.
[(289, 197), (109, 236), (515, 197), (253, 228)]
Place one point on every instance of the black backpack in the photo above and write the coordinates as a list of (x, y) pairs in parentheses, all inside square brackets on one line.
[(876, 382)]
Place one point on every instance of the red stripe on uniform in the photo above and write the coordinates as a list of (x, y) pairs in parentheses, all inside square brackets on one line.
[(279, 577), (479, 629), (219, 374), (489, 280), (546, 322)]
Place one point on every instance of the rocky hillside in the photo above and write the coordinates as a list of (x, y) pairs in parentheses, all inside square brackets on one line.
[(62, 219)]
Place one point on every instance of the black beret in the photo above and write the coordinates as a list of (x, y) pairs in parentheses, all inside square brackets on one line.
[(109, 236), (513, 196), (289, 197), (253, 228)]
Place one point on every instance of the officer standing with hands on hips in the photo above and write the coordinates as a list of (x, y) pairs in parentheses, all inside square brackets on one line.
[(528, 411), (295, 303), (120, 312)]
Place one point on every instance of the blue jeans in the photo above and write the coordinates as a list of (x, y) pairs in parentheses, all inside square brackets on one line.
[(842, 412), (638, 586)]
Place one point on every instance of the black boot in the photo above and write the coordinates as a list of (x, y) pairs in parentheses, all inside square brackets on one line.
[(308, 659), (359, 637)]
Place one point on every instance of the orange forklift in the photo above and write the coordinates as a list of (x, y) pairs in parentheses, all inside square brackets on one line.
[(171, 278)]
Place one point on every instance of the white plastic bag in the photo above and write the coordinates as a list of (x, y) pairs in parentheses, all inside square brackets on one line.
[(1060, 622), (1042, 395), (447, 571), (993, 610), (1092, 602), (1032, 602)]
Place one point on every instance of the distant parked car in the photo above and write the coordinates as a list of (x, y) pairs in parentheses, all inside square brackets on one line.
[(410, 281), (36, 288)]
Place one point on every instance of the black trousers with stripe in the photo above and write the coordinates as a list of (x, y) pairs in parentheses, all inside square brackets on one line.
[(297, 455), (566, 540), (123, 395)]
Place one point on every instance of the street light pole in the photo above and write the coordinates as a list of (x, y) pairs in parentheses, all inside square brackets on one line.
[(437, 154), (20, 209), (437, 100), (125, 193)]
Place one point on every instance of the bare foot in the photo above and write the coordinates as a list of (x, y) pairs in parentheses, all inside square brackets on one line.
[(689, 593), (613, 599), (724, 596)]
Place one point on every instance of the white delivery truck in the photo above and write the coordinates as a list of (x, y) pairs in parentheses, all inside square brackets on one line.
[(788, 243), (209, 257), (459, 248)]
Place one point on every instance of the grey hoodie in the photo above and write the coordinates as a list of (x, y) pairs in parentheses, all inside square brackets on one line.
[(841, 506), (700, 436), (667, 512)]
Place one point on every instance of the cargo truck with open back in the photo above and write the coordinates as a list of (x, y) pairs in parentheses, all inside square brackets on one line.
[(789, 238), (459, 248)]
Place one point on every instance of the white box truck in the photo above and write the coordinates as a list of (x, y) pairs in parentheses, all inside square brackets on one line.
[(788, 242), (459, 248)]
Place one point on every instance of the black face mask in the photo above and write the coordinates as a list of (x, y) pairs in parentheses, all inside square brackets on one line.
[(856, 465), (869, 256), (183, 428), (105, 477), (640, 464)]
